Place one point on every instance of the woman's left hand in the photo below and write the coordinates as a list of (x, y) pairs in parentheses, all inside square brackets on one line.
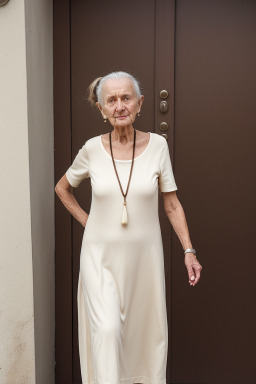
[(194, 268)]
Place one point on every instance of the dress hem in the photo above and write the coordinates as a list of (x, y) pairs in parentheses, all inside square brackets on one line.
[(131, 380)]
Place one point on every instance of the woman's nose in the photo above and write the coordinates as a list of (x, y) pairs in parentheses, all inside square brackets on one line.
[(119, 105)]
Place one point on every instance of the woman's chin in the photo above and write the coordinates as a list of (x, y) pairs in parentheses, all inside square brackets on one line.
[(122, 122)]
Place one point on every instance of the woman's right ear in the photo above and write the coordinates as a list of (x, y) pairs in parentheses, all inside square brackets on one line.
[(99, 106), (101, 110)]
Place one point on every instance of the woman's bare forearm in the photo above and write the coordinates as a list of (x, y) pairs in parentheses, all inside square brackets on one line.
[(69, 201), (179, 223)]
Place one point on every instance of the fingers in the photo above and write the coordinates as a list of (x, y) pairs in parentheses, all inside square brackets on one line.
[(197, 271), (194, 270), (191, 274)]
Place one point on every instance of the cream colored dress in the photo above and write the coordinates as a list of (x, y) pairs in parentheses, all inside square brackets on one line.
[(122, 319)]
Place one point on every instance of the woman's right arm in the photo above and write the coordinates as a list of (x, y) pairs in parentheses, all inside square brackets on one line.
[(65, 192)]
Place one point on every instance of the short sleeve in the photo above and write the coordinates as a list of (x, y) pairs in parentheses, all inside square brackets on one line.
[(166, 178), (79, 170)]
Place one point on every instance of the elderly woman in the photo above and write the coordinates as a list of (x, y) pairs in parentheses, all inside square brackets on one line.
[(123, 335)]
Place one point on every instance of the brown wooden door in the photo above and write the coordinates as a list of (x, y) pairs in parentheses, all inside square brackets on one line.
[(211, 120), (213, 325)]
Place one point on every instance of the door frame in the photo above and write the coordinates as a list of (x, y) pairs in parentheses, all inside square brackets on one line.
[(63, 220)]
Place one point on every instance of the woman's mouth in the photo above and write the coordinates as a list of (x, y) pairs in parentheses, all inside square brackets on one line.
[(121, 117)]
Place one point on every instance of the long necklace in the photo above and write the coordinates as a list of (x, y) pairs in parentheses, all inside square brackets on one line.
[(124, 215)]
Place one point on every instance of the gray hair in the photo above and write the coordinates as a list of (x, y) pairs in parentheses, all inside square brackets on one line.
[(117, 75)]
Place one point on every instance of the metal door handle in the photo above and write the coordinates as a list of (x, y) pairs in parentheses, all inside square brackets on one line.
[(163, 106), (164, 94), (163, 126)]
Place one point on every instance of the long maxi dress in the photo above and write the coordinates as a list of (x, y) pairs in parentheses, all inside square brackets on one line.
[(122, 317)]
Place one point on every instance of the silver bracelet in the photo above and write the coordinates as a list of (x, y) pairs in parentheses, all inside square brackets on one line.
[(190, 250)]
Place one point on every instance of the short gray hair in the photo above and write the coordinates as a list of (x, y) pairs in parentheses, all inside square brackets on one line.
[(117, 75)]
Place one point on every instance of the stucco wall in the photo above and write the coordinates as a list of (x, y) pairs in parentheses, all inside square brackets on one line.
[(26, 194), (39, 54)]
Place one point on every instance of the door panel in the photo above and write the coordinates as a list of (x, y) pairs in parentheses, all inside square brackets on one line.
[(213, 324)]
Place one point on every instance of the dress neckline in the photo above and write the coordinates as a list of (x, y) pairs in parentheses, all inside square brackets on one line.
[(126, 161)]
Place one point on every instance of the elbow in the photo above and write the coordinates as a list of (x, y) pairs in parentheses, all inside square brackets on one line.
[(169, 209), (61, 187), (57, 188), (171, 203)]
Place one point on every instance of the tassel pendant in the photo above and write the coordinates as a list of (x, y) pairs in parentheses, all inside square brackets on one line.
[(124, 216)]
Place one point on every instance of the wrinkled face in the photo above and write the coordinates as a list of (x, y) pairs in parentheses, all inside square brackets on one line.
[(120, 102)]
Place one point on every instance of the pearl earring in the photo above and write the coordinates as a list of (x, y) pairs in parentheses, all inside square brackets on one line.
[(138, 114), (105, 118)]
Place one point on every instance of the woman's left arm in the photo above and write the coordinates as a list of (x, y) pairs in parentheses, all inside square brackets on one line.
[(176, 215)]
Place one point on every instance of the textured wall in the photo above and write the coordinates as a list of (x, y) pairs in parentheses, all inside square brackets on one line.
[(39, 45), (26, 194)]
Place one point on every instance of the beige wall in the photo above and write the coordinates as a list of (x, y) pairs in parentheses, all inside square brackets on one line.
[(26, 194)]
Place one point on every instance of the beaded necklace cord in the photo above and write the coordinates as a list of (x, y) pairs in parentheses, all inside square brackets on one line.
[(124, 214)]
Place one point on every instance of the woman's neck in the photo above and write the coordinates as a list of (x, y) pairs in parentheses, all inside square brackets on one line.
[(123, 134)]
